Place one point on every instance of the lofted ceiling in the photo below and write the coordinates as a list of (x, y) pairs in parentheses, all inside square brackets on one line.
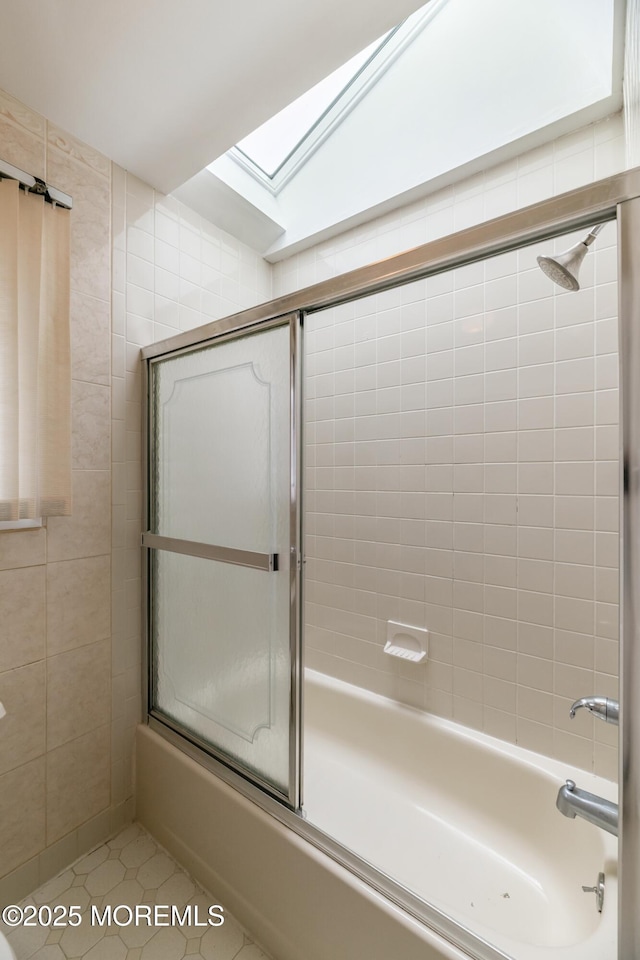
[(164, 87)]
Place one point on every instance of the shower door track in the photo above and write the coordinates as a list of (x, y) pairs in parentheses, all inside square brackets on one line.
[(616, 197)]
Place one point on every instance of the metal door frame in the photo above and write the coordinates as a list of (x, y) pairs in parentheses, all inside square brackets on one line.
[(267, 562), (616, 197)]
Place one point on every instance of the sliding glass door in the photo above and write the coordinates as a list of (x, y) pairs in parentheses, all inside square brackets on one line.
[(222, 550)]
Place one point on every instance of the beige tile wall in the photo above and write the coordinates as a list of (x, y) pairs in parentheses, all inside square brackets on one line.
[(55, 628), (172, 270)]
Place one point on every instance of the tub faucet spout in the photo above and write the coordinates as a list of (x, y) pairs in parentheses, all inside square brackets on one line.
[(604, 708), (573, 802)]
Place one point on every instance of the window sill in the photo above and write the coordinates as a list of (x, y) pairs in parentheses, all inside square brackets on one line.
[(22, 524)]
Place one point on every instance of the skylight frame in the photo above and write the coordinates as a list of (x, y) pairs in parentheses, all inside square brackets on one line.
[(390, 48), (305, 113)]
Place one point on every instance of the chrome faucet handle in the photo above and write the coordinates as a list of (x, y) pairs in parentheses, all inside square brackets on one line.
[(602, 707), (598, 890)]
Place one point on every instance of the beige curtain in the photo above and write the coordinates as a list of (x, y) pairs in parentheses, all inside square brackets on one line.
[(35, 377)]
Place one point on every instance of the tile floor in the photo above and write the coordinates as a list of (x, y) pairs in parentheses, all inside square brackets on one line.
[(130, 869)]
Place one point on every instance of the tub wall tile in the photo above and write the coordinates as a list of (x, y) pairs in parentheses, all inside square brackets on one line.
[(22, 548), (22, 693), (78, 776), (90, 218), (22, 814), (499, 533), (78, 603), (78, 692), (90, 336), (22, 615), (91, 411), (87, 532)]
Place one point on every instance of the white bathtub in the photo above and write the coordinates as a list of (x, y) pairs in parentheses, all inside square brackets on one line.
[(465, 821), (459, 818)]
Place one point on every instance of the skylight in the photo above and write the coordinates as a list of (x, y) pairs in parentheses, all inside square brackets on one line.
[(272, 144), (276, 152), (415, 118)]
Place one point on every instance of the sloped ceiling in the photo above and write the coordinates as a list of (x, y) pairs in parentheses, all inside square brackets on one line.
[(164, 87)]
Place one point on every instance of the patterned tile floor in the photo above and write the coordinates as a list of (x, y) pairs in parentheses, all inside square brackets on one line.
[(130, 869)]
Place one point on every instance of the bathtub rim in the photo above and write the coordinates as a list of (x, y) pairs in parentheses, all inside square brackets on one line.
[(438, 923), (435, 920), (538, 761), (553, 772), (225, 875)]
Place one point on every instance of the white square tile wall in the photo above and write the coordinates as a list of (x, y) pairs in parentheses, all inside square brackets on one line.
[(462, 475)]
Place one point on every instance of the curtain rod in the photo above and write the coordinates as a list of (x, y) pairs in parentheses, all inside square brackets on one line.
[(35, 185)]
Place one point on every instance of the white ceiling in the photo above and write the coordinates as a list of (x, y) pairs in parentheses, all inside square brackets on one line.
[(163, 87)]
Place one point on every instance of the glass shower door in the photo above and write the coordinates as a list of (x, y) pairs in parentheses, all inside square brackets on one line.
[(222, 552)]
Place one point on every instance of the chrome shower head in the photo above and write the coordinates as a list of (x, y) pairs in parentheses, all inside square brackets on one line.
[(564, 268)]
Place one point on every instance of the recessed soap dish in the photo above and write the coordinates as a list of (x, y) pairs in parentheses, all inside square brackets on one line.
[(406, 642)]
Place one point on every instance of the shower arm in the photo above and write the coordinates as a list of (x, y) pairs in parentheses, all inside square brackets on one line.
[(593, 233)]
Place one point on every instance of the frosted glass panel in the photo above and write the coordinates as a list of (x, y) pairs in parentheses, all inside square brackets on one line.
[(220, 474), (221, 664), (222, 443)]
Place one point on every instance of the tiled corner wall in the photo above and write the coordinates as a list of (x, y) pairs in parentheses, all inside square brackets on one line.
[(172, 270), (55, 646), (465, 480)]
